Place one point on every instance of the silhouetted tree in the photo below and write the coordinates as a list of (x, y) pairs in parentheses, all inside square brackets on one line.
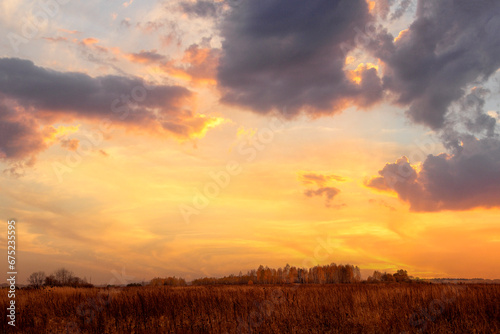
[(401, 276), (63, 276), (51, 281), (37, 279)]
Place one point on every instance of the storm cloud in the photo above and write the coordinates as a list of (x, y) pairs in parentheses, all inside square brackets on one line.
[(32, 98), (279, 54), (77, 94), (200, 8), (467, 179), (435, 68), (451, 45), (20, 136)]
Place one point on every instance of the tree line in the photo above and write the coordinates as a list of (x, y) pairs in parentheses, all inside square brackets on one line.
[(399, 276), (331, 273), (61, 277), (328, 274)]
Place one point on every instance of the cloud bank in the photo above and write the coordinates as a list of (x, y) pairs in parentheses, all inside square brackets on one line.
[(291, 54), (465, 180), (33, 98), (451, 45)]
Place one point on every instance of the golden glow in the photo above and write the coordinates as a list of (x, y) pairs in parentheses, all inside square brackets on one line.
[(356, 74), (349, 60), (53, 134), (371, 6), (116, 203), (90, 41), (243, 132), (261, 217), (401, 34), (209, 123)]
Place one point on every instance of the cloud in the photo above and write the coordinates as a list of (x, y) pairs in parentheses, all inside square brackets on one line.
[(200, 8), (468, 117), (291, 54), (467, 179), (104, 153), (32, 98), (56, 94), (404, 5), (149, 26), (436, 67), (21, 136), (198, 64), (17, 169), (381, 8), (146, 57), (319, 179), (381, 203), (451, 45), (70, 144), (328, 192)]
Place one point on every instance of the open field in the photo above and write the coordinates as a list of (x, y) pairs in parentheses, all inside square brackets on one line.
[(338, 308)]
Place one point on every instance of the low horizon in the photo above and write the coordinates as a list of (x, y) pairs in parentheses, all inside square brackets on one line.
[(122, 279)]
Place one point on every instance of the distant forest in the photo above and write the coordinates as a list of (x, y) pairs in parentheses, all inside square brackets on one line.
[(327, 274), (331, 273)]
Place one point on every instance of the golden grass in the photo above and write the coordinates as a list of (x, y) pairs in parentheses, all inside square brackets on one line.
[(339, 308)]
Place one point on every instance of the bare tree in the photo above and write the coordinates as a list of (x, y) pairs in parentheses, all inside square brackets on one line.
[(64, 276), (36, 279)]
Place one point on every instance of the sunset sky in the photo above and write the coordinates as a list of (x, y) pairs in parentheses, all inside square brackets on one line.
[(200, 138)]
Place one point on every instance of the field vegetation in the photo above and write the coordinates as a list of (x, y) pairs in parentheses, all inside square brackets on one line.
[(259, 308)]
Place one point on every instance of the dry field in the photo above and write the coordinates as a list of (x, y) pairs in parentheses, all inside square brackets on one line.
[(339, 308)]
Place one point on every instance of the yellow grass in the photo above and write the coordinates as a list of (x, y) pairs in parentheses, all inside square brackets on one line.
[(337, 308)]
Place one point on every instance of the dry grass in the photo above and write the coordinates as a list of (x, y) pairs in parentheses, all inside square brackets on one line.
[(349, 308)]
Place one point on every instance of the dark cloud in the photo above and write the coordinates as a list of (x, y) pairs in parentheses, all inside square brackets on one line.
[(125, 23), (32, 98), (202, 62), (200, 8), (435, 67), (450, 45), (198, 64), (464, 180), (402, 8), (291, 53), (56, 94), (468, 119), (467, 177), (143, 56), (382, 8), (328, 192), (21, 136)]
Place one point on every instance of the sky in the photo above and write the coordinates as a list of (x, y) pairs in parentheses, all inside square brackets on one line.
[(198, 138)]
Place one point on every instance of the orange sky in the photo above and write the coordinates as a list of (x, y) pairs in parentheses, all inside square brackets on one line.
[(142, 199)]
